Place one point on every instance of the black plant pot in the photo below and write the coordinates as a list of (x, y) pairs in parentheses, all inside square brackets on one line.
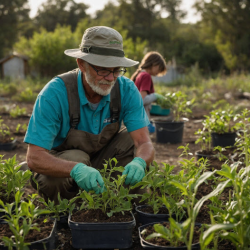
[(146, 218), (223, 140), (147, 245), (62, 222), (101, 235), (200, 155), (169, 132), (48, 243), (8, 146)]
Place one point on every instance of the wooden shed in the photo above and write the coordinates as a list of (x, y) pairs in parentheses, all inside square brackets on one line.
[(14, 66)]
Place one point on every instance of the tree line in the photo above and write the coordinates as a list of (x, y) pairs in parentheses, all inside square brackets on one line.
[(220, 41)]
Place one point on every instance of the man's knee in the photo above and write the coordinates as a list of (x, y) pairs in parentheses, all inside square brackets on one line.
[(73, 155), (49, 187)]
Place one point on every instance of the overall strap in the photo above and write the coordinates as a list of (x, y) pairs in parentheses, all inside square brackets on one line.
[(70, 81), (115, 102)]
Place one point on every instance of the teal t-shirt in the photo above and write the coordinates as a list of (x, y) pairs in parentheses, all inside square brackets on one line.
[(50, 123)]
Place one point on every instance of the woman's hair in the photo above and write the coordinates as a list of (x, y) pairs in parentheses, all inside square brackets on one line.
[(152, 58)]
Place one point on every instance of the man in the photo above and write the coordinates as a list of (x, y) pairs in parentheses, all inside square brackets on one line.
[(77, 118)]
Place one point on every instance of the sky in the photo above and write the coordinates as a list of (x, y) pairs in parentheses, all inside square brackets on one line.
[(99, 4)]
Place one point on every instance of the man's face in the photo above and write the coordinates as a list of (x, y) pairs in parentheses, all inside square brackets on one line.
[(99, 84)]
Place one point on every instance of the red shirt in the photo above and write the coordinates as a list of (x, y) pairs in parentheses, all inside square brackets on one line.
[(144, 82)]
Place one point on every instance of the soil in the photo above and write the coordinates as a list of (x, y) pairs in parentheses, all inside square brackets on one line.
[(166, 153), (150, 210), (97, 215), (162, 242)]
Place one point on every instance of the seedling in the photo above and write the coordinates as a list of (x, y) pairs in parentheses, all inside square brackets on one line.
[(181, 106), (115, 198), (16, 111), (64, 206)]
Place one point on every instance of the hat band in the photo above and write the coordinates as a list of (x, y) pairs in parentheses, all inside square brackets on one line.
[(102, 51)]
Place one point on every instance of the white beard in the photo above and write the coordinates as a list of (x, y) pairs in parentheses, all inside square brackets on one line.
[(96, 87)]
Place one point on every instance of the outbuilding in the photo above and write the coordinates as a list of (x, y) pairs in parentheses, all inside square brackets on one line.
[(14, 66)]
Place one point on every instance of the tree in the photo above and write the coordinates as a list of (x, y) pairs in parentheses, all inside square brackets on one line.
[(63, 12), (229, 22), (12, 14), (45, 50)]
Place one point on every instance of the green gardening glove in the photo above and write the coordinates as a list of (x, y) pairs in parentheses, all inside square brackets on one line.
[(135, 171), (87, 178), (159, 97)]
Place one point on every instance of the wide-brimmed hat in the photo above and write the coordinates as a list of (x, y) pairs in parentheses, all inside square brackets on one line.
[(102, 46)]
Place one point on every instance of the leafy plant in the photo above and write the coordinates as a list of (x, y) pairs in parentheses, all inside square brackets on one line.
[(4, 132), (223, 121), (12, 178), (16, 111), (21, 128), (174, 234), (115, 198), (63, 207), (181, 106), (21, 220), (165, 103)]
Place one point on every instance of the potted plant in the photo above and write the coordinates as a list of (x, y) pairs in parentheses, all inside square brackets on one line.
[(6, 141), (217, 132), (156, 182), (12, 180), (172, 131), (61, 210), (26, 227), (223, 127), (108, 213)]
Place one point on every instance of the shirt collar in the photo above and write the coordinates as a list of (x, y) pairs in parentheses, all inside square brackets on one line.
[(83, 98)]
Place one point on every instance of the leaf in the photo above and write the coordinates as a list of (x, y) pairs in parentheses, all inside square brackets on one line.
[(219, 188)]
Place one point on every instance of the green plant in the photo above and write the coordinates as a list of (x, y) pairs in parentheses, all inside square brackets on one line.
[(21, 128), (181, 106), (21, 220), (12, 178), (165, 103), (115, 198), (223, 121), (26, 95), (4, 132), (174, 234), (16, 111), (64, 206), (188, 191)]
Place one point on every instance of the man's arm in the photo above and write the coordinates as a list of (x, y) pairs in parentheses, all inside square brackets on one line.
[(41, 161), (143, 144)]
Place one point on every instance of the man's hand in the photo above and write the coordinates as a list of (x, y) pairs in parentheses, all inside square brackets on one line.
[(87, 178), (135, 171)]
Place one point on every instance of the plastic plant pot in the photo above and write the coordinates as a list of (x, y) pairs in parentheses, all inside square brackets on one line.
[(146, 218), (223, 140), (157, 110), (48, 243), (147, 245), (62, 222), (169, 132), (200, 155), (8, 146), (115, 235)]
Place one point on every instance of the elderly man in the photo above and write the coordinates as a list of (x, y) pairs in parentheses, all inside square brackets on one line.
[(76, 121)]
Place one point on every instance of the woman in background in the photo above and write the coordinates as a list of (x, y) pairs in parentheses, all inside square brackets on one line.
[(152, 64)]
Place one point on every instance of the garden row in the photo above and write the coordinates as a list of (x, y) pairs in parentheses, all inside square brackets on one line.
[(197, 207)]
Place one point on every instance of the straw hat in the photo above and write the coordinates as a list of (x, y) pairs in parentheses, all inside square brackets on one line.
[(102, 46)]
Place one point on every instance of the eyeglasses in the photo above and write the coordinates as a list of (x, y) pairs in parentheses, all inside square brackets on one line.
[(106, 72)]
